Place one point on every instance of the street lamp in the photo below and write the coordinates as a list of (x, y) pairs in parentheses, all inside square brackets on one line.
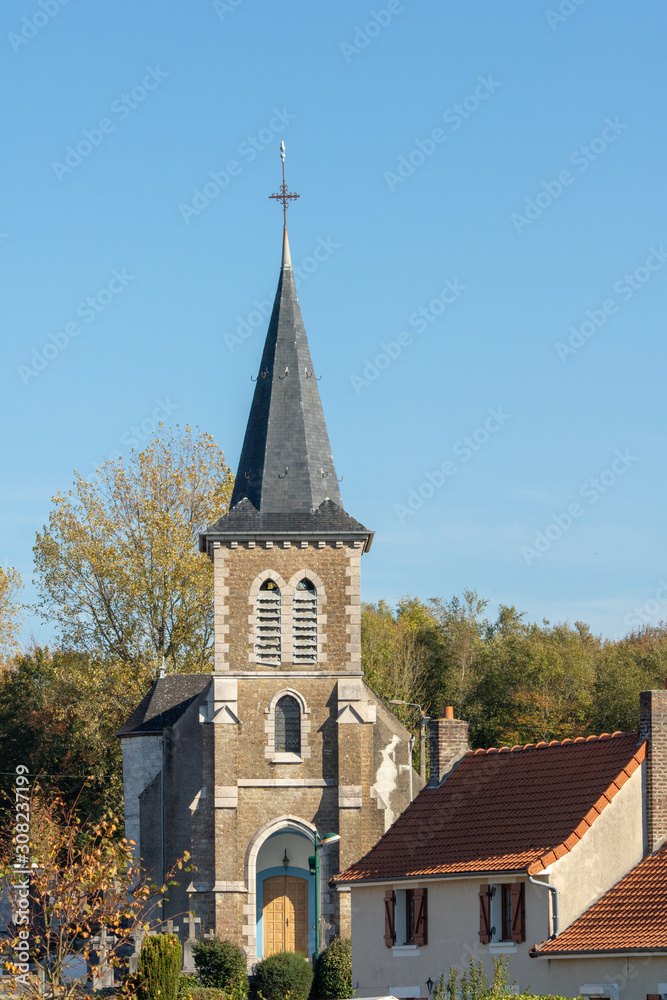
[(314, 866), (423, 719)]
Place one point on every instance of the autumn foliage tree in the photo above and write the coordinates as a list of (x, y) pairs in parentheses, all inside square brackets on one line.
[(88, 901), (118, 565), (514, 681), (10, 609)]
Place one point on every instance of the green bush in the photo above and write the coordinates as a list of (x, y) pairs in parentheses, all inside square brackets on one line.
[(159, 967), (222, 965), (191, 989), (283, 973), (333, 975)]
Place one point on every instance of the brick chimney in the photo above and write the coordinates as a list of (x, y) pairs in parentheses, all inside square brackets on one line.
[(653, 727), (448, 743)]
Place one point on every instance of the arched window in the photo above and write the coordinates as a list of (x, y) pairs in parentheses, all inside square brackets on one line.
[(288, 725), (267, 614), (305, 622)]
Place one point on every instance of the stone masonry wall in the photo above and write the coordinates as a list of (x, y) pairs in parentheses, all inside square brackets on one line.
[(334, 568)]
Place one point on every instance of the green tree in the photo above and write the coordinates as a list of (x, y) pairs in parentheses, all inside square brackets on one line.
[(638, 662), (118, 565), (58, 714), (159, 967), (461, 630), (532, 683), (392, 657)]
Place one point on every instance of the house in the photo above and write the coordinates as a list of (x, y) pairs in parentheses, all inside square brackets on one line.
[(551, 854), (249, 767)]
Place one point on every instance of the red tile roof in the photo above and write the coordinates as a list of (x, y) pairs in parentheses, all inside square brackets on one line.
[(632, 916), (515, 809)]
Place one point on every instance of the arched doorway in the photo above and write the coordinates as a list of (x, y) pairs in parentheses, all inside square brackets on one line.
[(285, 895)]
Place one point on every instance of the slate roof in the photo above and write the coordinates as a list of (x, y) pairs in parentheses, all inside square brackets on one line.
[(244, 520), (632, 916), (517, 809), (165, 703), (286, 465)]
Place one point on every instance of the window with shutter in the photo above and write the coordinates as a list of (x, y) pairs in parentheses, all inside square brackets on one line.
[(305, 622), (389, 917), (267, 615), (518, 903), (485, 913), (421, 917)]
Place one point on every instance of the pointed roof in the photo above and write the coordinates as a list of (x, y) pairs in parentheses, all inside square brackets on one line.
[(286, 465)]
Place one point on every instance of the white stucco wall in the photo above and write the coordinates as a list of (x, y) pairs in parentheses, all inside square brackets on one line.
[(142, 760), (608, 850), (453, 926), (453, 937)]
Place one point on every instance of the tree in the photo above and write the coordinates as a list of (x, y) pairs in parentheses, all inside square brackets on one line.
[(79, 898), (159, 967), (532, 683), (10, 609), (392, 659), (58, 713), (461, 630), (118, 564), (638, 662)]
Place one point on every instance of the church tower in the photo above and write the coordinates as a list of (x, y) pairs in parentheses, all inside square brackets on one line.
[(284, 743)]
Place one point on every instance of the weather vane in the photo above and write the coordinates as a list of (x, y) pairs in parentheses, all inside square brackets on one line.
[(283, 195)]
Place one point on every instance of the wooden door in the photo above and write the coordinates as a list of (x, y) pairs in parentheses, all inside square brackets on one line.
[(285, 908)]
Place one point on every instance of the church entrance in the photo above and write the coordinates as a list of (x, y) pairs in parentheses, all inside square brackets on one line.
[(285, 913)]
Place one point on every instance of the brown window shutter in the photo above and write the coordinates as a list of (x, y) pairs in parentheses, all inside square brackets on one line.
[(484, 914), (652, 996), (517, 894), (421, 916), (389, 917)]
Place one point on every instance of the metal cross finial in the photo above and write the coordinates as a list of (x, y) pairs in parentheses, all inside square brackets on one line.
[(283, 195)]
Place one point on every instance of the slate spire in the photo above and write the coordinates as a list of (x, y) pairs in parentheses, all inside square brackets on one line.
[(286, 464)]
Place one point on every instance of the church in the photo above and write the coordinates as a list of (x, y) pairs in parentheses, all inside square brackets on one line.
[(251, 767)]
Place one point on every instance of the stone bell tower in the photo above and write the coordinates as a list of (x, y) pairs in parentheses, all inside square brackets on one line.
[(284, 739)]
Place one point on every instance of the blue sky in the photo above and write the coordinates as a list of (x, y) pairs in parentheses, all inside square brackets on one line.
[(479, 234)]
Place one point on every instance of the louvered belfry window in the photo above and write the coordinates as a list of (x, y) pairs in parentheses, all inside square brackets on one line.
[(288, 725), (267, 613), (305, 623)]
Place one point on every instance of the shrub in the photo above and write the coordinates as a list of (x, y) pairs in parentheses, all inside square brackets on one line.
[(191, 989), (283, 973), (222, 965), (333, 975), (159, 967)]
